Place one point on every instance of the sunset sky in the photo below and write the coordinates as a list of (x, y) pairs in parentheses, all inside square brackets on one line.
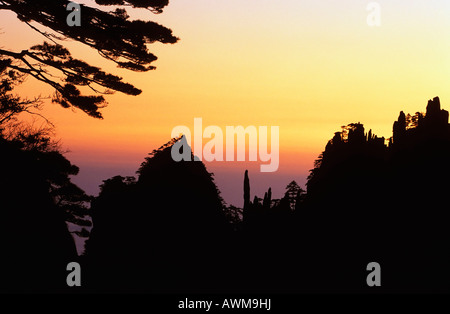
[(307, 66)]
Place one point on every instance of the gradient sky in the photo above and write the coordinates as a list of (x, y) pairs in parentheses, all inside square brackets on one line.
[(306, 66)]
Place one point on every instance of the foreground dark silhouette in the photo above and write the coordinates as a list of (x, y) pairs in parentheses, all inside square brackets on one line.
[(169, 231), (366, 202)]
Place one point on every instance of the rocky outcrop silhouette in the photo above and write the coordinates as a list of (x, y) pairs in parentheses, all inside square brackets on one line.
[(368, 200)]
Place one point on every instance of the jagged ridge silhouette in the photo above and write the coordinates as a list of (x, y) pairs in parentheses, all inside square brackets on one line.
[(169, 230)]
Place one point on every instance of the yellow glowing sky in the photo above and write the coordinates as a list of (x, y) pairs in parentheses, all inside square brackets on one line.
[(306, 66)]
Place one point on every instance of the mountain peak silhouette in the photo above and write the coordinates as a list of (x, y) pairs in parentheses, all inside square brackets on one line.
[(171, 219)]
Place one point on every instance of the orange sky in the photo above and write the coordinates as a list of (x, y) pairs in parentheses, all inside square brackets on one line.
[(305, 66)]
